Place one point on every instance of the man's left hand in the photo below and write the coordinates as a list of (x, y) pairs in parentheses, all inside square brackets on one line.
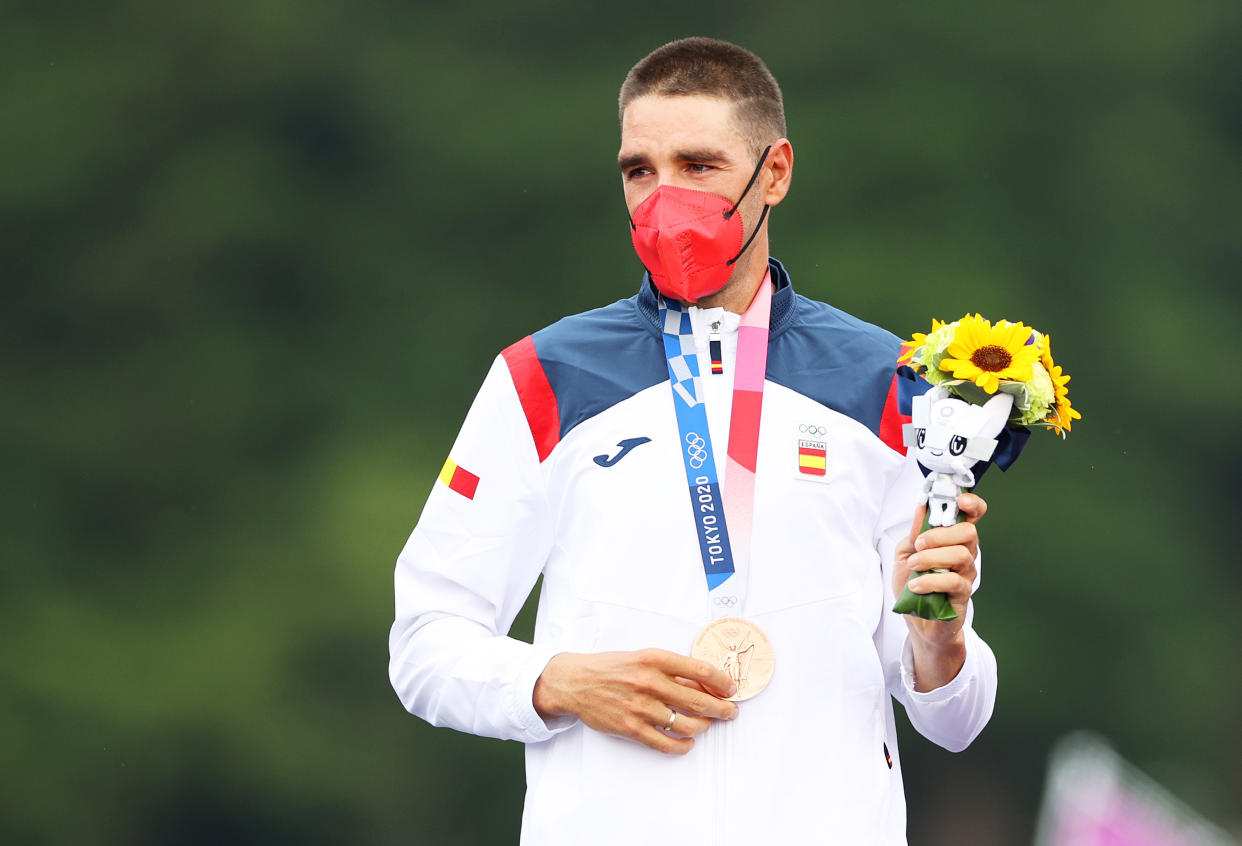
[(940, 646)]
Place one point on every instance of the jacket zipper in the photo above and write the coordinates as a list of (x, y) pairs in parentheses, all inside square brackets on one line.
[(715, 349), (718, 780), (721, 731)]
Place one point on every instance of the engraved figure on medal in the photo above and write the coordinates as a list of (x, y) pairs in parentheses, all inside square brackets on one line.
[(741, 649), (736, 661)]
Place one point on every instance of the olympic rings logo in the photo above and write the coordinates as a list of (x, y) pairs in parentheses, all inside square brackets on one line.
[(811, 429), (696, 450), (726, 601)]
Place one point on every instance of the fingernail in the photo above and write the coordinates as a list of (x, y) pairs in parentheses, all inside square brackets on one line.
[(913, 560), (732, 689), (733, 714), (920, 542), (915, 585)]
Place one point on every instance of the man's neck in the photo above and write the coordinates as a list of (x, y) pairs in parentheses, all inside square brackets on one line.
[(737, 295)]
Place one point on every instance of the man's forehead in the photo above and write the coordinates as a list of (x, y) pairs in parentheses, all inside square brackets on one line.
[(690, 121)]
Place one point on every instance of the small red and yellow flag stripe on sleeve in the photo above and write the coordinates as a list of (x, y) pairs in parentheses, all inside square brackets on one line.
[(459, 478)]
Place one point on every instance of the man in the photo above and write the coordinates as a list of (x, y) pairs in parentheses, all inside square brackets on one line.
[(574, 462)]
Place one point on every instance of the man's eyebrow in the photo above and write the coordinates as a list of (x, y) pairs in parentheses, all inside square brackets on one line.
[(703, 156), (627, 162)]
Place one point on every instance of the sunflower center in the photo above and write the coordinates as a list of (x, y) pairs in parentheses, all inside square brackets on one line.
[(991, 358)]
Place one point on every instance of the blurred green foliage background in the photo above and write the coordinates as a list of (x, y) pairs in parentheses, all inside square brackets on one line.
[(256, 257)]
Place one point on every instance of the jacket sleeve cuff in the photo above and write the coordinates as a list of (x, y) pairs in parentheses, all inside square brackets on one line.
[(521, 703)]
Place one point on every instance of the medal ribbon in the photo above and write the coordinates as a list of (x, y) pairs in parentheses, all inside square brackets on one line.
[(721, 527)]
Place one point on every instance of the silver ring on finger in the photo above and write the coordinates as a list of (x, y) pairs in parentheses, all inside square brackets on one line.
[(672, 718)]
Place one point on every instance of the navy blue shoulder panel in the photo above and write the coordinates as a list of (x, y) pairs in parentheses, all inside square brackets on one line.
[(596, 359), (599, 358), (835, 359)]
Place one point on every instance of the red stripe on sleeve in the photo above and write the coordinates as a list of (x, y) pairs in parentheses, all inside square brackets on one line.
[(892, 420), (464, 482), (536, 395)]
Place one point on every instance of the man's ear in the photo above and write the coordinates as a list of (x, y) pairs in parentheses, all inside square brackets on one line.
[(780, 166)]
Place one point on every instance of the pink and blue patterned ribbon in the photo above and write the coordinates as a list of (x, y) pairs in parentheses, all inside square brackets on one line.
[(723, 528)]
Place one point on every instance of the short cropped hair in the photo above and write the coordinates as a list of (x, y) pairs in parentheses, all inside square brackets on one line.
[(718, 69)]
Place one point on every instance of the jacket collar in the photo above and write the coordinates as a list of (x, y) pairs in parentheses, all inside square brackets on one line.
[(782, 300)]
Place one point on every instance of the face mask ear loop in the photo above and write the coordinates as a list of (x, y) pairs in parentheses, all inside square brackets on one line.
[(758, 226), (753, 177), (630, 218)]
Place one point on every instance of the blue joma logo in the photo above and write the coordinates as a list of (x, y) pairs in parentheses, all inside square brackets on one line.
[(626, 445)]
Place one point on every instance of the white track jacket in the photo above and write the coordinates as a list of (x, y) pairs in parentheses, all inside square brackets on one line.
[(568, 465)]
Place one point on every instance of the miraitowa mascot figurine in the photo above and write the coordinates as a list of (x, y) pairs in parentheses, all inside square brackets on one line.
[(949, 436)]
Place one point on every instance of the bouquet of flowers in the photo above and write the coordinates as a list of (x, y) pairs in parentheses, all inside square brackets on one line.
[(989, 382)]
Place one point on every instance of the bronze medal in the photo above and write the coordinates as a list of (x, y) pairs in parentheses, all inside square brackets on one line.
[(741, 649)]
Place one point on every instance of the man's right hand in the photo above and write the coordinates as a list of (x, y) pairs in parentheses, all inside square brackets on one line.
[(631, 694)]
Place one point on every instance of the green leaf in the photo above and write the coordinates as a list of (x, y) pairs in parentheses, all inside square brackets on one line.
[(928, 606)]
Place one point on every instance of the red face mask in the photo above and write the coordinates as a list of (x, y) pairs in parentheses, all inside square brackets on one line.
[(689, 240)]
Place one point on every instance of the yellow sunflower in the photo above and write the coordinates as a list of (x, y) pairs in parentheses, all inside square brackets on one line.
[(985, 354), (1063, 416), (1059, 380), (1059, 377), (916, 342), (1045, 351)]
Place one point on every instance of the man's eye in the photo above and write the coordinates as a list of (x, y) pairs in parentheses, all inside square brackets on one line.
[(637, 172), (700, 168)]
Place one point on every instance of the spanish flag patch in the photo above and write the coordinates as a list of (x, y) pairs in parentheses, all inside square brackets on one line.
[(812, 458), (459, 478)]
